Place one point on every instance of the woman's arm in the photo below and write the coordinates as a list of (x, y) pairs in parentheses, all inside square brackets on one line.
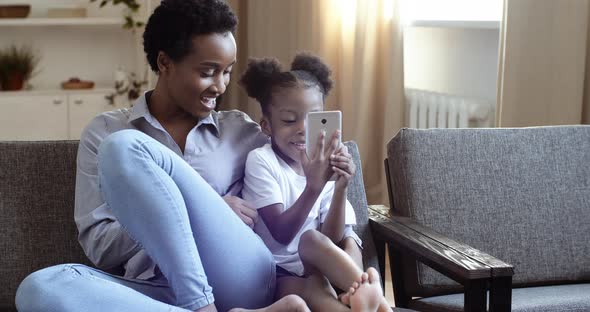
[(105, 243)]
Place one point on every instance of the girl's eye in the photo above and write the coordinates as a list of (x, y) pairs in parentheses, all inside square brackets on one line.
[(288, 121), (207, 74)]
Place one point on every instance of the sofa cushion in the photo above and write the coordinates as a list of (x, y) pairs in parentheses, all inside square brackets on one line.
[(521, 195), (36, 210), (562, 298)]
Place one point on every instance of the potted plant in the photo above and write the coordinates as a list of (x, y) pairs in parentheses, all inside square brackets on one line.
[(132, 7), (17, 65)]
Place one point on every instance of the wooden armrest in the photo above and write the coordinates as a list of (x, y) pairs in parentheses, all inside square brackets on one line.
[(455, 260)]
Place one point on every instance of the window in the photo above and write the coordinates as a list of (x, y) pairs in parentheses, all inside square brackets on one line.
[(450, 10)]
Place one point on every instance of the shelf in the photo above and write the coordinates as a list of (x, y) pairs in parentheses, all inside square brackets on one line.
[(455, 24), (100, 89), (85, 21)]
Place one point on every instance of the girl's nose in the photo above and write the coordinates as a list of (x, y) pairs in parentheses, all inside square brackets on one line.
[(301, 125)]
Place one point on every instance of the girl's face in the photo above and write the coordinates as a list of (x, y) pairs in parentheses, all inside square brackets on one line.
[(286, 123), (199, 78)]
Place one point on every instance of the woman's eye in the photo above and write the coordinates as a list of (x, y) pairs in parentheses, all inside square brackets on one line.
[(207, 74), (288, 121)]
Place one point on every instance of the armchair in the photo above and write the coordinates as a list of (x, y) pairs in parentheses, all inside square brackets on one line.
[(488, 219)]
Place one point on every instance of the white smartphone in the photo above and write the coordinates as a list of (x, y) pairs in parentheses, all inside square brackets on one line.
[(328, 121)]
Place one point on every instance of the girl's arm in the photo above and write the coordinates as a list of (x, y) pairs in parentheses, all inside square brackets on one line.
[(284, 225), (333, 226), (344, 167)]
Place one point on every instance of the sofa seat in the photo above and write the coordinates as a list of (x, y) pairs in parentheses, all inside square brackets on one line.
[(560, 298)]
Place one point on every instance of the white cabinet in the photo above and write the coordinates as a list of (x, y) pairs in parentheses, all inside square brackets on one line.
[(34, 117), (84, 107), (49, 116)]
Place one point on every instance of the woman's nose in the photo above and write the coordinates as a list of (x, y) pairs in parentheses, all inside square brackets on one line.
[(220, 84)]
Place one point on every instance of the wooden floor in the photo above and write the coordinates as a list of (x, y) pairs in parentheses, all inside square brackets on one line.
[(388, 285)]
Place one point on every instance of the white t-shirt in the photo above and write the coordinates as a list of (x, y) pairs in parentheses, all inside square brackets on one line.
[(269, 180)]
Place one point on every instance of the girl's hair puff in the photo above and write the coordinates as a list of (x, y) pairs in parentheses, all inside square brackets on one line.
[(314, 66), (258, 77), (264, 76)]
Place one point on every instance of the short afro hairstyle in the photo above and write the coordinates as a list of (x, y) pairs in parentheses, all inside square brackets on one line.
[(265, 75), (174, 23)]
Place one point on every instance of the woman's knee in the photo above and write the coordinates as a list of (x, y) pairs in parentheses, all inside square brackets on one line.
[(117, 150), (118, 143), (43, 290)]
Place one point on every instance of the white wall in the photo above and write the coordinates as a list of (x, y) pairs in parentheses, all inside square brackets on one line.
[(88, 52), (461, 61), (39, 7)]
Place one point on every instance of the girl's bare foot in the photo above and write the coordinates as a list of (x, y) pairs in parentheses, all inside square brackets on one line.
[(345, 297), (368, 297), (290, 303)]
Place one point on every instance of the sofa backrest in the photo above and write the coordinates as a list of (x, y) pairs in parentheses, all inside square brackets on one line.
[(37, 181), (358, 199), (521, 195), (36, 211)]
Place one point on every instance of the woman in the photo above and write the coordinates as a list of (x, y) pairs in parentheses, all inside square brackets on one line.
[(157, 186)]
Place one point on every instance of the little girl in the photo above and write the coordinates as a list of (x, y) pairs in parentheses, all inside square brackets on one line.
[(307, 221)]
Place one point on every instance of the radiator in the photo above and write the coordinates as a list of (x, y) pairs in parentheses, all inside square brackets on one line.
[(428, 109)]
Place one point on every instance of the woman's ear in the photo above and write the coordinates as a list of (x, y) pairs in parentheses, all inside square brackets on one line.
[(265, 125), (163, 62)]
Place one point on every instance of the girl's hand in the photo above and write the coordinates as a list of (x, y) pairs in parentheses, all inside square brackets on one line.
[(343, 166), (317, 168), (248, 214)]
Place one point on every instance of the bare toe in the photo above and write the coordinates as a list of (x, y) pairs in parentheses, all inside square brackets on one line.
[(373, 275), (368, 297), (364, 277), (345, 297)]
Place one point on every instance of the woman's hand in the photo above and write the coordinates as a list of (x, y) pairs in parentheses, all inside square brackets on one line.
[(343, 166), (317, 168), (248, 214)]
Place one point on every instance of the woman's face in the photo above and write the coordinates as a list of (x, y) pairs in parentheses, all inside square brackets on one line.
[(199, 78), (286, 123)]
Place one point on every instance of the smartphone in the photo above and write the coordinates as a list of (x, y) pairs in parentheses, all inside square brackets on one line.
[(328, 121)]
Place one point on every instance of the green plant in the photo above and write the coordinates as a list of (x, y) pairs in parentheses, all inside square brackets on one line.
[(132, 7), (17, 61), (131, 87)]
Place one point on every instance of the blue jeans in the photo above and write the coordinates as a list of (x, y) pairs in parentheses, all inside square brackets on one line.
[(199, 244)]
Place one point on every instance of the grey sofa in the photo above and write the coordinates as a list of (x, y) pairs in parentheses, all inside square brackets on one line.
[(37, 229), (503, 214)]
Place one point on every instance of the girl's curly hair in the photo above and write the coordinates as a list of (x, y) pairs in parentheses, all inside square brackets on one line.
[(265, 75)]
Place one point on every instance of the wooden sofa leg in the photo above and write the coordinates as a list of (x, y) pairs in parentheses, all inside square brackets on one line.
[(501, 294), (397, 276), (475, 295)]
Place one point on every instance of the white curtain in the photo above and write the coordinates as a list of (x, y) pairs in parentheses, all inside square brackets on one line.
[(362, 42), (542, 69)]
